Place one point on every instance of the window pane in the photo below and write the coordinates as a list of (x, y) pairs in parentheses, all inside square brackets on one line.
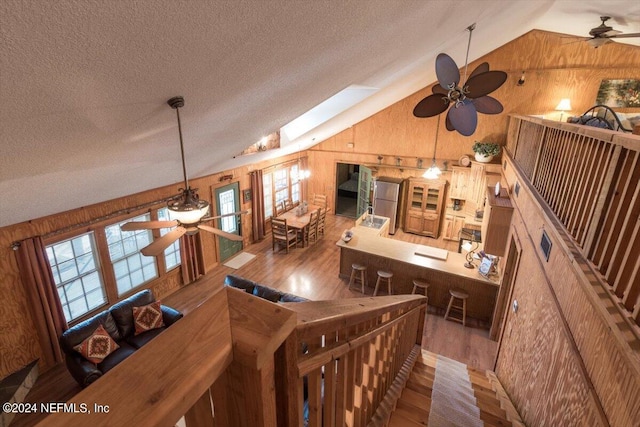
[(126, 259), (75, 268), (172, 253), (268, 195)]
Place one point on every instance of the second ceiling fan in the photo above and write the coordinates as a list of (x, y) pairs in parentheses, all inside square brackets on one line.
[(188, 212), (466, 100)]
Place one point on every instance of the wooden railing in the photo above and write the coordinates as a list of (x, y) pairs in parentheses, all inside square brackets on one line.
[(590, 178), (237, 360), (344, 356)]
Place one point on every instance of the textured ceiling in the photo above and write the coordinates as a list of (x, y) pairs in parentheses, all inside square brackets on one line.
[(84, 83)]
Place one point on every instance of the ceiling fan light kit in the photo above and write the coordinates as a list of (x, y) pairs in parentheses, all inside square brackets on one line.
[(187, 211), (602, 34), (466, 100)]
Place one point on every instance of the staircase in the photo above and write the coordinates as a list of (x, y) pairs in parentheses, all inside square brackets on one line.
[(441, 392)]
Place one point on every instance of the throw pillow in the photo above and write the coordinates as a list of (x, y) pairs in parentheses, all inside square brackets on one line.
[(97, 346), (147, 317)]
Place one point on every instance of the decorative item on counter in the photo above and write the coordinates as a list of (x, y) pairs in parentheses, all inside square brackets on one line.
[(470, 248), (464, 161), (497, 190), (347, 235), (485, 151)]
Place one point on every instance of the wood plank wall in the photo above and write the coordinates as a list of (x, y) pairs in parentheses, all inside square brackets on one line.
[(562, 359), (19, 343), (553, 70)]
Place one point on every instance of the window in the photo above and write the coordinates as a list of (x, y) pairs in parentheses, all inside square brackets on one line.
[(130, 267), (280, 184), (172, 253), (267, 185), (75, 268)]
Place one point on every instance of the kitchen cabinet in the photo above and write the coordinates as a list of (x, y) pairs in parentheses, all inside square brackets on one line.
[(452, 226), (424, 206), (481, 175), (496, 221), (459, 183)]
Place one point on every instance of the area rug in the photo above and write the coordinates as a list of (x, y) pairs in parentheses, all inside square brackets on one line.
[(239, 260)]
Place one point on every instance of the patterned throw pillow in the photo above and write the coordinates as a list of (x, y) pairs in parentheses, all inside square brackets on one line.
[(147, 317), (97, 346)]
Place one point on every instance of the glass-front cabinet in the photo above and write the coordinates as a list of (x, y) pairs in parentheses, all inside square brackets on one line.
[(425, 206)]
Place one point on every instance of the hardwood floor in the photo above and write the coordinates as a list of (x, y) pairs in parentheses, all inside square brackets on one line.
[(310, 272)]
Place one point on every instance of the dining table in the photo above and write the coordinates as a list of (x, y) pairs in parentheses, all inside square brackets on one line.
[(299, 222)]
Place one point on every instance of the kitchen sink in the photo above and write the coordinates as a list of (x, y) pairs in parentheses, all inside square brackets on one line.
[(373, 222)]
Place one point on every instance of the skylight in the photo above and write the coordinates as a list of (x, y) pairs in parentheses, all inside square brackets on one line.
[(327, 110)]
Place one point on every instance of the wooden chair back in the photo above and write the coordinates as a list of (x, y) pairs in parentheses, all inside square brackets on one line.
[(320, 200), (280, 208), (288, 205), (281, 234), (322, 214)]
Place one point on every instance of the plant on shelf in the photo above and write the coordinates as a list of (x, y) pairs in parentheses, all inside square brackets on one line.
[(485, 151)]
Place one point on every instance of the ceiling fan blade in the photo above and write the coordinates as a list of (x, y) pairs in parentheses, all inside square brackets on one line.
[(439, 89), (431, 106), (610, 33), (622, 36), (447, 71), (448, 124), (222, 216), (158, 245), (464, 117), (487, 105), (485, 83), (147, 225), (482, 68), (221, 233)]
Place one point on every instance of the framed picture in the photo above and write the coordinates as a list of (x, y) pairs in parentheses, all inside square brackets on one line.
[(246, 196), (485, 266), (619, 93)]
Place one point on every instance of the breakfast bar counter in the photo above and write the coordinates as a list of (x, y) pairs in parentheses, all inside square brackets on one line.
[(443, 270)]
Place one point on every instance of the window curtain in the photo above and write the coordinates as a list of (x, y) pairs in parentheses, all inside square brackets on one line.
[(191, 258), (257, 206), (40, 287)]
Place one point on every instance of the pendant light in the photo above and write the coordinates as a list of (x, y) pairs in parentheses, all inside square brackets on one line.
[(434, 171)]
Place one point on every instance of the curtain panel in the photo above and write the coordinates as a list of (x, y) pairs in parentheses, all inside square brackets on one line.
[(257, 206), (191, 258), (44, 302)]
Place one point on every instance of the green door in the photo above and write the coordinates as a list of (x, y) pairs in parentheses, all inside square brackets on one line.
[(364, 190), (228, 201)]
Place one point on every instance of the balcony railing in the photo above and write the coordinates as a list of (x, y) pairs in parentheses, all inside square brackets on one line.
[(590, 179)]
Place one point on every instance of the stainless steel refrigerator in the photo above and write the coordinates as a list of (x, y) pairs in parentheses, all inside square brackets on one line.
[(385, 199)]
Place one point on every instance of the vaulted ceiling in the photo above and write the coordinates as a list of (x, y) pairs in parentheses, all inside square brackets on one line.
[(84, 83)]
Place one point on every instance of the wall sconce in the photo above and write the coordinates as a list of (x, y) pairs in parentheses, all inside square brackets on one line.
[(564, 105), (398, 161), (419, 163), (521, 80), (380, 160)]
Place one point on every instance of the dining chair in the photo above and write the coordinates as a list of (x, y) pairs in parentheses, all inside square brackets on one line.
[(282, 235), (280, 208), (322, 214), (310, 232), (288, 205), (320, 200)]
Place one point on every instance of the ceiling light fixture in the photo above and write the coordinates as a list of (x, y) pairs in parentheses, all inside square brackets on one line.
[(189, 209), (434, 171)]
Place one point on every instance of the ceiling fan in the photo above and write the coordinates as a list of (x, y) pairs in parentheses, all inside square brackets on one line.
[(187, 211), (468, 100), (602, 34)]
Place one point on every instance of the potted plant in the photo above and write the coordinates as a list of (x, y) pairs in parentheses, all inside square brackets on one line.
[(485, 151)]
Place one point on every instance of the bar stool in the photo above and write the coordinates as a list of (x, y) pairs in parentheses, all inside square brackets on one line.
[(358, 272), (424, 286), (457, 294), (383, 275)]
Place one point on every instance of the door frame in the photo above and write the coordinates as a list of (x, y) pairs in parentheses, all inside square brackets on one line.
[(221, 241)]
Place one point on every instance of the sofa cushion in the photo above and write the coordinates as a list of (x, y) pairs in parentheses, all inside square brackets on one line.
[(139, 340), (147, 317), (97, 346), (286, 297), (267, 293), (122, 312), (78, 333), (116, 357), (240, 282)]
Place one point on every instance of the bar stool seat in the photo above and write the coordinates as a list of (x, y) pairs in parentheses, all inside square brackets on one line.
[(457, 297), (383, 275), (358, 272), (420, 284)]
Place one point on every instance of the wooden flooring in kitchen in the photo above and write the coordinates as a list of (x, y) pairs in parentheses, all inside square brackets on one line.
[(311, 272)]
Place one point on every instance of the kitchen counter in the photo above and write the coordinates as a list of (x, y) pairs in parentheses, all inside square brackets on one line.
[(442, 269)]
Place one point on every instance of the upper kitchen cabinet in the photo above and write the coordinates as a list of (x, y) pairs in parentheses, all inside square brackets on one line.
[(424, 206)]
